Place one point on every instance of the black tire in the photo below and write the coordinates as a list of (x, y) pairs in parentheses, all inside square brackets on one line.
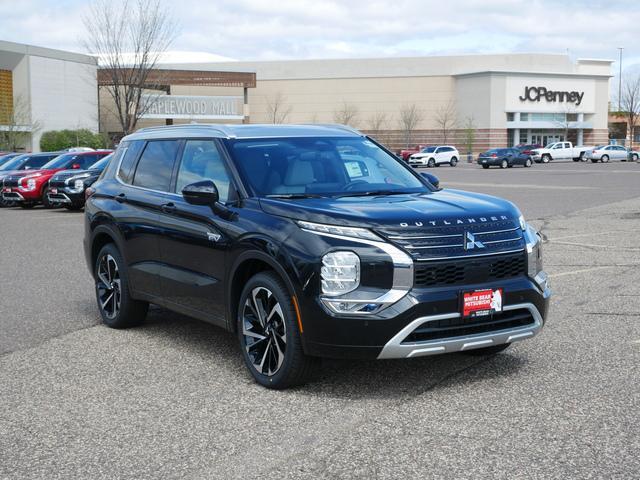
[(453, 162), (479, 352), (126, 312), (45, 199), (504, 164), (594, 160), (546, 158), (27, 206), (485, 166), (431, 163), (527, 163), (279, 364), (604, 158)]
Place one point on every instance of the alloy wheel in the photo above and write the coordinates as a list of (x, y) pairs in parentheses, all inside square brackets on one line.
[(109, 286), (264, 331)]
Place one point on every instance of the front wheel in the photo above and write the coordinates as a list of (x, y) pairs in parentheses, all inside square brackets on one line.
[(479, 352), (453, 162), (26, 205), (634, 157), (46, 203), (485, 166), (431, 163), (117, 308), (269, 335), (504, 164), (546, 158), (604, 159)]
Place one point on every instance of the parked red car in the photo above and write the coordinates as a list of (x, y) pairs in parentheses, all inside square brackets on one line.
[(407, 152), (28, 188)]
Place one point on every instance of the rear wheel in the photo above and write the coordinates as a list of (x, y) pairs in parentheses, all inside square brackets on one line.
[(546, 158), (269, 335), (604, 159), (485, 166), (431, 163), (117, 308), (634, 157), (479, 352), (453, 162), (527, 163), (504, 164)]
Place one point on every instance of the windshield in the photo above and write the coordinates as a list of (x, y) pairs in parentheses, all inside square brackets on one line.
[(5, 158), (61, 161), (14, 163), (302, 167), (100, 164), (428, 150)]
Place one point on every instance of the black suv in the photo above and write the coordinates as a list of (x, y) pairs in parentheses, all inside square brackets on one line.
[(307, 242)]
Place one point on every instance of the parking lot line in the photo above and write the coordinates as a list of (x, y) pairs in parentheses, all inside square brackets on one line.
[(521, 186)]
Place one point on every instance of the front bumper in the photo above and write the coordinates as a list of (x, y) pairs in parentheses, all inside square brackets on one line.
[(12, 196), (417, 161), (386, 336)]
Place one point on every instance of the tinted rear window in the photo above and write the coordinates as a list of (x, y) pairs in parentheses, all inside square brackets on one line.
[(155, 167), (131, 152)]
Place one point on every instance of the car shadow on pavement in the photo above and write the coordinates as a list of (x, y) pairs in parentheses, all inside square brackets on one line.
[(335, 378)]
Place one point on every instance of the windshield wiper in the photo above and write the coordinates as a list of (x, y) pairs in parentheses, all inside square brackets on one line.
[(290, 196), (374, 193)]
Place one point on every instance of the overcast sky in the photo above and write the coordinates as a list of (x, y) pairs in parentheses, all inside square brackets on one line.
[(289, 29)]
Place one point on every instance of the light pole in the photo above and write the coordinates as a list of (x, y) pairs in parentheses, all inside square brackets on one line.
[(620, 80)]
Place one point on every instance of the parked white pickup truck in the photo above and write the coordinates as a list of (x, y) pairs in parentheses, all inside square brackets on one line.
[(559, 151)]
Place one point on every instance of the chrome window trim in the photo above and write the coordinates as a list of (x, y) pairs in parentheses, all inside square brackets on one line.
[(394, 348), (462, 257)]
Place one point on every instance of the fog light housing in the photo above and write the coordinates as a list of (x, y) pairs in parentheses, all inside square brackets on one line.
[(340, 273)]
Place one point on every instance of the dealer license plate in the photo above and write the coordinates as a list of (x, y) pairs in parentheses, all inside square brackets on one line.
[(481, 302)]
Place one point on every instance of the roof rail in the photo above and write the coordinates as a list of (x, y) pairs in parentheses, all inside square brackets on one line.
[(339, 126), (217, 127)]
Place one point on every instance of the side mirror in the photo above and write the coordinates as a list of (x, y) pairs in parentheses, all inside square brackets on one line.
[(75, 166), (432, 179), (201, 193)]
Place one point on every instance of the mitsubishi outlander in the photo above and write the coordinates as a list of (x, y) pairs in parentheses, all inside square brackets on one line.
[(306, 242)]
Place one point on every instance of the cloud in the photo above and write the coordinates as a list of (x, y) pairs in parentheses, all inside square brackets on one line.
[(263, 29)]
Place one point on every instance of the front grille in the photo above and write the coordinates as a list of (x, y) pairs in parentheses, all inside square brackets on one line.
[(469, 270), (55, 183), (459, 327), (458, 239), (11, 182)]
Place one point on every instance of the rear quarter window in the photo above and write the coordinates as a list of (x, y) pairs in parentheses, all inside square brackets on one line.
[(130, 155)]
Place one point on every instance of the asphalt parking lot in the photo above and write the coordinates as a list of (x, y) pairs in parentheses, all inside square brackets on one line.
[(171, 399)]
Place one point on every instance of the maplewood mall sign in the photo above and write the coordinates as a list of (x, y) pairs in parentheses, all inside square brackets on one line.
[(193, 107)]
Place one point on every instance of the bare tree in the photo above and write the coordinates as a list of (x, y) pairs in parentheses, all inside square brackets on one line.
[(376, 123), (277, 108), (17, 125), (446, 120), (410, 117), (129, 37), (347, 114), (630, 103), (469, 134)]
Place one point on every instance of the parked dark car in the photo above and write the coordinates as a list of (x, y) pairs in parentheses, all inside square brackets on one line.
[(503, 158), (19, 164), (67, 188), (308, 241)]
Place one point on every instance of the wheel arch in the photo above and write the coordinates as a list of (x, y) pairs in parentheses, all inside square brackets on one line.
[(102, 235), (244, 267)]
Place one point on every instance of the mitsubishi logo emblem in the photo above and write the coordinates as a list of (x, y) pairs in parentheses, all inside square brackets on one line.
[(470, 242)]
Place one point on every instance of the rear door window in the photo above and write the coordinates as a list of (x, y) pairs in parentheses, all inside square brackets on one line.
[(155, 166), (130, 153)]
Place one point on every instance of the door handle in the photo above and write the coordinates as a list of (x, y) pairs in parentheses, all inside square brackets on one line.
[(121, 198), (168, 208)]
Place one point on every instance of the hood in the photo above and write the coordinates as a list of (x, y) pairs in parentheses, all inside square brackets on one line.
[(432, 209), (75, 172)]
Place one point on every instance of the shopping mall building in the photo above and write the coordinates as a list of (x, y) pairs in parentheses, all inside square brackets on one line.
[(44, 89), (504, 99)]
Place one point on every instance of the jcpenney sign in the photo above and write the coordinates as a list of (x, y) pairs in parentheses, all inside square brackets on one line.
[(187, 106), (534, 94)]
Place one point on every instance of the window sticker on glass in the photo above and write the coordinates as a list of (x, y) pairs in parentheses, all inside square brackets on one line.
[(354, 169)]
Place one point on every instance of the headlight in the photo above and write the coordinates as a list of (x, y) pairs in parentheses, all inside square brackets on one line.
[(534, 258), (523, 224), (340, 273), (78, 185), (353, 232), (28, 183)]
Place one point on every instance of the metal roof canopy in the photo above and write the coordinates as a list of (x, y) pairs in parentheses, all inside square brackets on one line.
[(166, 77)]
